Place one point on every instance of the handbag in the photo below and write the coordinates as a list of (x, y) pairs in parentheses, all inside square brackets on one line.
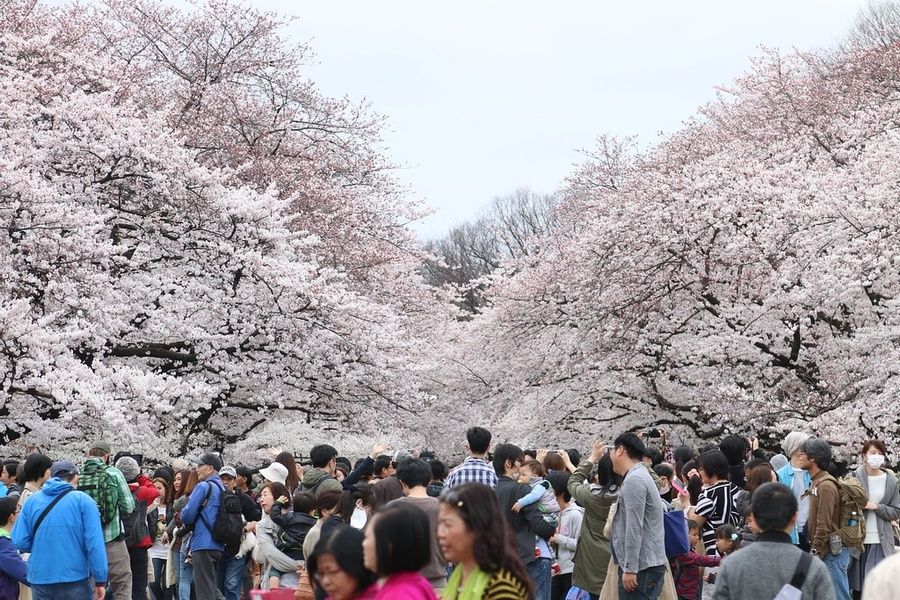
[(676, 533), (304, 589)]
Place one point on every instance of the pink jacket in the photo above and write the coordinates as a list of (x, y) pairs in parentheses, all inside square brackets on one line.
[(409, 586)]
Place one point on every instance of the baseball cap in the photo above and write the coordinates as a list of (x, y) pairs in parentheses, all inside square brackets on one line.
[(211, 460), (63, 467), (227, 471)]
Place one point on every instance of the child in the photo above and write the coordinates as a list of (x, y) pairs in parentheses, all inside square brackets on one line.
[(686, 567), (293, 528), (533, 473), (728, 540)]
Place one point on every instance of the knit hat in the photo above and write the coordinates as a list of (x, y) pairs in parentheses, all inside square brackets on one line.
[(129, 468), (102, 445), (793, 441)]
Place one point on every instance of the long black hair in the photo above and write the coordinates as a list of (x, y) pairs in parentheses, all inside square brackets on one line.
[(403, 538), (495, 544), (345, 545)]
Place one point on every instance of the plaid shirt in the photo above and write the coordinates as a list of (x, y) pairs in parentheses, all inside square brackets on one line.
[(687, 582), (124, 502), (473, 470)]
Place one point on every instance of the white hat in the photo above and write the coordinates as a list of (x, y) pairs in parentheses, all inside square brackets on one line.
[(276, 472)]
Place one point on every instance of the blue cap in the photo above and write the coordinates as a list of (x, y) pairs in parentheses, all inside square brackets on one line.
[(63, 467)]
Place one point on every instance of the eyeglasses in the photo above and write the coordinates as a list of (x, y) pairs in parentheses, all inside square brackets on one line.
[(320, 575)]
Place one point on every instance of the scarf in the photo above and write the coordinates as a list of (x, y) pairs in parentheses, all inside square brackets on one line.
[(474, 588)]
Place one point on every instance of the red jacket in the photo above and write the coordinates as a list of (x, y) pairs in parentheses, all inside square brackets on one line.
[(144, 491)]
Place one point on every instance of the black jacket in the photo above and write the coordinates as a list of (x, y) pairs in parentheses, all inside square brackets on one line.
[(526, 523)]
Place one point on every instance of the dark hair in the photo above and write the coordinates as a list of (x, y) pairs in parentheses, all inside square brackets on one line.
[(439, 470), (287, 459), (655, 456), (606, 475), (304, 502), (245, 472), (692, 525), (7, 508), (729, 532), (694, 484), (345, 545), (759, 475), (773, 506), (328, 500), (176, 492), (632, 444), (664, 470), (403, 538), (479, 439), (574, 456), (494, 545), (683, 454), (535, 467), (346, 506), (505, 452), (735, 449), (560, 483), (276, 489), (381, 463), (553, 462), (20, 474), (753, 463), (36, 465), (414, 472), (188, 483), (530, 454), (344, 462), (10, 467), (321, 455), (877, 444), (714, 464), (818, 451)]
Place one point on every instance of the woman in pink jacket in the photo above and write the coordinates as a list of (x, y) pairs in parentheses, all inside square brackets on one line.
[(396, 547)]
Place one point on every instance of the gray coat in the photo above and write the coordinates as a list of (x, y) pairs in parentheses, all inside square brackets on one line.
[(638, 541), (888, 509)]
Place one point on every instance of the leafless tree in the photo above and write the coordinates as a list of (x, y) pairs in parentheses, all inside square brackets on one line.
[(877, 24)]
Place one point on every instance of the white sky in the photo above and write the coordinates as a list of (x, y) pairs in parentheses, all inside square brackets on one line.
[(484, 96)]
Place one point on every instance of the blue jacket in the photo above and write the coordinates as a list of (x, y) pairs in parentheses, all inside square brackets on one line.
[(202, 538), (69, 545), (786, 476), (12, 568)]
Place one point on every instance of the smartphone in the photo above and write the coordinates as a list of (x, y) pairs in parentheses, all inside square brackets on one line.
[(677, 488)]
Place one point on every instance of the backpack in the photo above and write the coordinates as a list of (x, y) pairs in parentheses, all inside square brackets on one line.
[(135, 525), (853, 499), (229, 526), (96, 482), (312, 490)]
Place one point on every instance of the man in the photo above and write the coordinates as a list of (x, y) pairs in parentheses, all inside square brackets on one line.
[(8, 477), (825, 513), (532, 531), (36, 472), (637, 537), (798, 479), (60, 527), (415, 475), (231, 568), (144, 493), (475, 469), (390, 488), (764, 567), (201, 513), (107, 486), (243, 481), (320, 478)]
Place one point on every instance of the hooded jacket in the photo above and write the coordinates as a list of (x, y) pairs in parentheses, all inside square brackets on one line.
[(69, 545), (317, 477), (202, 538), (144, 491)]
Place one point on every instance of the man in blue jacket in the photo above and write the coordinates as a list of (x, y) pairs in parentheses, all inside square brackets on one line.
[(60, 527), (201, 512)]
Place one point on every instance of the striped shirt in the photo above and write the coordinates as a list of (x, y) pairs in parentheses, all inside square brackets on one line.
[(473, 470), (503, 585), (716, 505)]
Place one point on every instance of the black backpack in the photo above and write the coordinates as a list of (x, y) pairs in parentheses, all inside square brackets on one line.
[(229, 526), (135, 525)]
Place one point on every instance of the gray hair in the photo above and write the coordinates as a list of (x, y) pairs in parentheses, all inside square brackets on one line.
[(818, 451)]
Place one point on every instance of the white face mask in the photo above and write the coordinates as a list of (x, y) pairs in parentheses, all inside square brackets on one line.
[(875, 460), (358, 518)]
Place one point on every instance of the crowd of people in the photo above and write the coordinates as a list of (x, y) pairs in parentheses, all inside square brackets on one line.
[(633, 519)]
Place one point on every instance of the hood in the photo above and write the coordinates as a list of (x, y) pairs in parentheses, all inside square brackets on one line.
[(313, 476), (55, 486), (572, 507)]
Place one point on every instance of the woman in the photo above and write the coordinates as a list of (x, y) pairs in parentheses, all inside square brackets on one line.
[(12, 567), (757, 476), (266, 553), (396, 546), (882, 508), (474, 535), (159, 551), (715, 506), (593, 549), (337, 567), (328, 505), (295, 474), (181, 548)]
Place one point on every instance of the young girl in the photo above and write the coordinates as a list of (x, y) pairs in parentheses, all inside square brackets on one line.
[(686, 567), (728, 540), (532, 473)]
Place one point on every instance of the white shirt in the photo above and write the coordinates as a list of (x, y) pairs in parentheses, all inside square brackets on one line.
[(876, 494)]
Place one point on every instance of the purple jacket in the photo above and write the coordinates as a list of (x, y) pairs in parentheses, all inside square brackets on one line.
[(12, 569)]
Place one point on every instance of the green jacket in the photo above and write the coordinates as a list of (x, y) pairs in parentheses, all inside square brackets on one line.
[(124, 502), (593, 551)]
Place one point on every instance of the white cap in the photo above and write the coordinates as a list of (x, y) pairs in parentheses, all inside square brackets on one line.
[(276, 472)]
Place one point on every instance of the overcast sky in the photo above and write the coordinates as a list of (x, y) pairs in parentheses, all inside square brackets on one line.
[(485, 96)]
